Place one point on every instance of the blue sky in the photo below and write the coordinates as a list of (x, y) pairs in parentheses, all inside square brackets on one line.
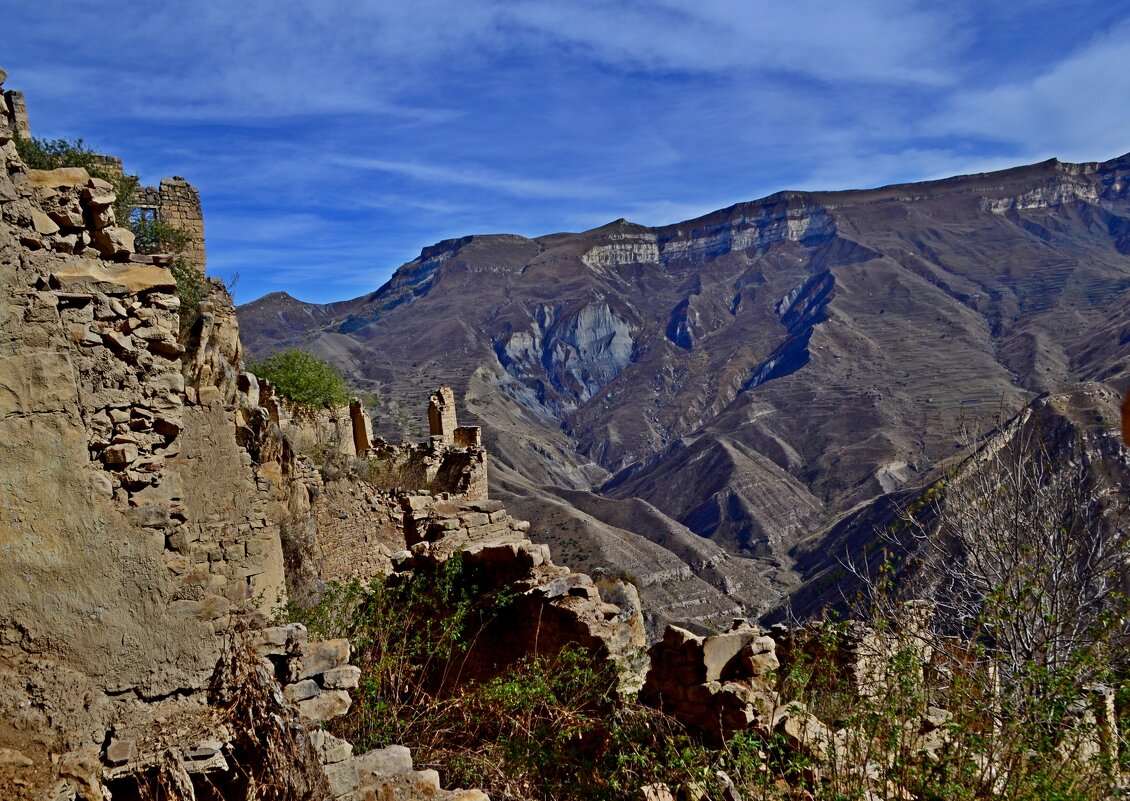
[(332, 140)]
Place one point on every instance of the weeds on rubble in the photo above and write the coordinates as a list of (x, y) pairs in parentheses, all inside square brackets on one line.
[(546, 727), (273, 758), (901, 714), (326, 455), (158, 236), (889, 710), (192, 288), (409, 635), (1023, 575)]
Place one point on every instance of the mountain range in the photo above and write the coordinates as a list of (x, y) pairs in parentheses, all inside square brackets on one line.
[(711, 405)]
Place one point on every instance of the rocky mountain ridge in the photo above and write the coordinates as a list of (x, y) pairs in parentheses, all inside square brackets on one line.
[(744, 379)]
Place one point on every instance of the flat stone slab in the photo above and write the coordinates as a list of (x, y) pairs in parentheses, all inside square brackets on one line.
[(134, 277), (54, 179)]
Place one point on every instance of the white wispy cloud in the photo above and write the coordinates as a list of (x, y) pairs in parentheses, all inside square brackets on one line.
[(1070, 109), (480, 178), (869, 40)]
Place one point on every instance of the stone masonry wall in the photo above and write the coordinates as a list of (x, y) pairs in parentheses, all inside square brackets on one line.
[(141, 529), (178, 203), (359, 529), (134, 530), (91, 333)]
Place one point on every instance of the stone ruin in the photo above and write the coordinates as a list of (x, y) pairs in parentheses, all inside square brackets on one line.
[(177, 202), (394, 487), (173, 200), (443, 425), (148, 502), (13, 108)]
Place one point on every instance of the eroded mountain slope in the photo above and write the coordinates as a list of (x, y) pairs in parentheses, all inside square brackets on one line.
[(755, 373)]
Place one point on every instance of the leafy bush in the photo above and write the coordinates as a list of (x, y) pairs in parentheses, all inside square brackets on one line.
[(303, 378), (157, 236), (192, 288)]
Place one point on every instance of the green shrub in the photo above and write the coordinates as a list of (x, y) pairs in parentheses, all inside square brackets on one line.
[(303, 378)]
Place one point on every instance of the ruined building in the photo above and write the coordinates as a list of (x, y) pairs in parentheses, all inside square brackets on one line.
[(176, 202), (173, 201), (156, 514), (442, 422)]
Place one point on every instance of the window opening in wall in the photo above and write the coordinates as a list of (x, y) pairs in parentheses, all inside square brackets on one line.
[(142, 215)]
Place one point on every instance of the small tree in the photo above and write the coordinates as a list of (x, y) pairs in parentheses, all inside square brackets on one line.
[(1022, 553), (304, 378), (1026, 551)]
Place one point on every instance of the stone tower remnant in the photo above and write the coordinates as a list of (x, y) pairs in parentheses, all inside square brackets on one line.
[(17, 112), (441, 415), (443, 424), (177, 202)]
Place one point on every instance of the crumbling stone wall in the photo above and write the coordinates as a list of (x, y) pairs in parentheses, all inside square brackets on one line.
[(141, 529), (376, 510), (16, 111), (174, 200), (215, 360), (92, 337), (447, 433), (178, 203), (457, 522), (717, 684), (359, 530), (552, 608), (135, 530)]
